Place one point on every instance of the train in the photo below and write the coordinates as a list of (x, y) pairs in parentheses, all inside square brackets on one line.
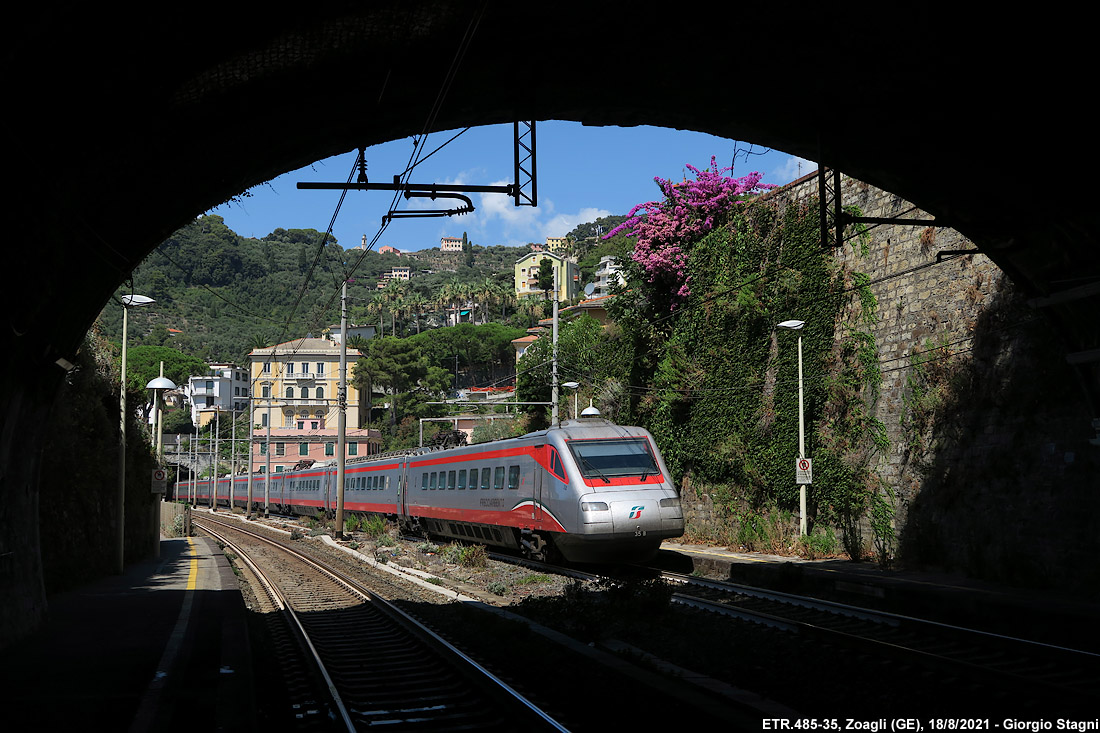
[(584, 490)]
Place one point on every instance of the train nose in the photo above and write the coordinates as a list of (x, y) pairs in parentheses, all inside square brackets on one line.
[(635, 515)]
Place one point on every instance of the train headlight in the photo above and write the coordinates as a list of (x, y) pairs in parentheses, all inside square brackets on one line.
[(670, 503), (594, 506)]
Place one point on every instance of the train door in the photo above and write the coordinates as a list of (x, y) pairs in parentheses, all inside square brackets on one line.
[(402, 487), (537, 485)]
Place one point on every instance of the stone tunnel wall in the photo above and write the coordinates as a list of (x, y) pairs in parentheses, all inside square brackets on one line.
[(990, 472)]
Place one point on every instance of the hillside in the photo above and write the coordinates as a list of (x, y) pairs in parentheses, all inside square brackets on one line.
[(219, 294)]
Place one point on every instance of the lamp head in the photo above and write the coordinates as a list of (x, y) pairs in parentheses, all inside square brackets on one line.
[(136, 301), (793, 325)]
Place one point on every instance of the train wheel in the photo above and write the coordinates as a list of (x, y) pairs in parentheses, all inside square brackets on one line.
[(534, 546)]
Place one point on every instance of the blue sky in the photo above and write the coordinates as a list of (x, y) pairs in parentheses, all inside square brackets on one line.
[(583, 173)]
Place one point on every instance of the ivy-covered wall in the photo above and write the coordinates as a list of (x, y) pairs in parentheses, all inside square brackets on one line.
[(985, 466)]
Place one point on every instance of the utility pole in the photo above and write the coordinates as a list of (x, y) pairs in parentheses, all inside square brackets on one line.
[(251, 438), (267, 469), (342, 409), (554, 358), (214, 473)]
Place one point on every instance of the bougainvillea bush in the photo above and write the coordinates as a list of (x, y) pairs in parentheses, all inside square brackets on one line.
[(665, 230)]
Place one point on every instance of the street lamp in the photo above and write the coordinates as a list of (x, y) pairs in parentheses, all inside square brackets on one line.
[(159, 385), (802, 523), (573, 386), (128, 302)]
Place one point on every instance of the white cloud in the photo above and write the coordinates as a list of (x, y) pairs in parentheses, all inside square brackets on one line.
[(562, 224), (791, 171)]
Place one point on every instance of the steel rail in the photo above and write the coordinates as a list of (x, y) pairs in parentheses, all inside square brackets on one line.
[(286, 608)]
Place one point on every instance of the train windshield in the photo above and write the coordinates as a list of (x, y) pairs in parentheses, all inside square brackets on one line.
[(607, 459)]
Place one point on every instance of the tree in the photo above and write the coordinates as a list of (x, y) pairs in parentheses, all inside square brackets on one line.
[(546, 276), (143, 366)]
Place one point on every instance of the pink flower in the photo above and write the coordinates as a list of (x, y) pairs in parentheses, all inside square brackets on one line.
[(665, 230)]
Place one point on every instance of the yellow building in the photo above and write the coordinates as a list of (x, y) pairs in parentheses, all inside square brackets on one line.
[(301, 379), (557, 244), (527, 275)]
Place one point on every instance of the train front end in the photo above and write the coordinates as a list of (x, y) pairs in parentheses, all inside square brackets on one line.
[(625, 499)]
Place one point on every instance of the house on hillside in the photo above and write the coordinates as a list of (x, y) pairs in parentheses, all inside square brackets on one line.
[(526, 276), (224, 387), (450, 244)]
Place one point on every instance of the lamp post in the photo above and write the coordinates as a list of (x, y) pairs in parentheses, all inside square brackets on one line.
[(128, 302), (159, 386), (573, 386), (802, 523)]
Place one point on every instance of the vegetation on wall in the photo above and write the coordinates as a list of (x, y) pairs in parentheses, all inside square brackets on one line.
[(707, 371)]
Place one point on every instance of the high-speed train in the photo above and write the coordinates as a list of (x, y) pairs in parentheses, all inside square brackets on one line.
[(588, 489)]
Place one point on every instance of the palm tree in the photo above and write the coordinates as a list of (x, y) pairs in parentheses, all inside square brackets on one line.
[(486, 292), (416, 302), (376, 304)]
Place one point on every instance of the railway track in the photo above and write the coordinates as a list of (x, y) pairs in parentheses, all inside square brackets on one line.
[(351, 660), (1052, 673), (978, 669)]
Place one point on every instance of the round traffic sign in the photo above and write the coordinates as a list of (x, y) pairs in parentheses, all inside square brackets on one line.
[(803, 464)]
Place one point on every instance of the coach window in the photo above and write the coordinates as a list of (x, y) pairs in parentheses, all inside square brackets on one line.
[(513, 477), (498, 477), (486, 477), (423, 481), (462, 479), (451, 480), (431, 481)]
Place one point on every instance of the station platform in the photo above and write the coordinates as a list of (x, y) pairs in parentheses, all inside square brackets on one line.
[(1046, 616), (162, 647)]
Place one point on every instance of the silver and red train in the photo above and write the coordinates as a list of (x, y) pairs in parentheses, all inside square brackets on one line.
[(588, 489)]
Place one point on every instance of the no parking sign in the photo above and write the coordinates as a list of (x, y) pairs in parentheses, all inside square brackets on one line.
[(160, 480), (803, 471)]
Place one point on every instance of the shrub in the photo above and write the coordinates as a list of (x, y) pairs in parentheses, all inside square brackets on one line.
[(473, 556)]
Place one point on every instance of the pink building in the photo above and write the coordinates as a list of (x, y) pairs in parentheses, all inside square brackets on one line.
[(450, 244), (309, 440)]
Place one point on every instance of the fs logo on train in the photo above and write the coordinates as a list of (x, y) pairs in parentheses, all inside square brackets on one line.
[(636, 512)]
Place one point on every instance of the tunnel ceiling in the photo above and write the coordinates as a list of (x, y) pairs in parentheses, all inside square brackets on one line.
[(122, 127)]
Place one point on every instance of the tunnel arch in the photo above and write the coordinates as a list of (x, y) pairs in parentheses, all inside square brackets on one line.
[(125, 130)]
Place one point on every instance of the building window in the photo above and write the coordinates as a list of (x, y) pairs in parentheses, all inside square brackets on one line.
[(209, 385), (263, 420), (320, 368), (320, 393), (280, 449), (290, 367), (330, 449), (303, 449), (301, 424), (266, 391), (236, 391), (263, 449), (267, 367), (278, 469), (290, 393), (353, 448)]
